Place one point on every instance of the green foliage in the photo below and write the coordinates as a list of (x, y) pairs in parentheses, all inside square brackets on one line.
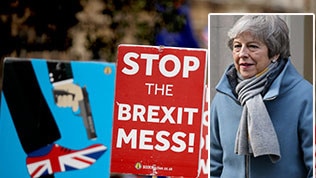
[(86, 29)]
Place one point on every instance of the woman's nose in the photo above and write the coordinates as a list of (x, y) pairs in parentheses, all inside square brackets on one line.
[(243, 52)]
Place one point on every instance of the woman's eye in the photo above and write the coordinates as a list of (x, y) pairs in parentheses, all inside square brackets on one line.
[(237, 46), (253, 46)]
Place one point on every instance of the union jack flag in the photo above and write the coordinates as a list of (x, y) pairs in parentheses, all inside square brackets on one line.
[(61, 159)]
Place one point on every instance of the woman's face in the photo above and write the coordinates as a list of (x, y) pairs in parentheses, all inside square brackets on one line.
[(250, 55)]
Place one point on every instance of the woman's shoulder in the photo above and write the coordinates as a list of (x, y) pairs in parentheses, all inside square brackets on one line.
[(292, 79)]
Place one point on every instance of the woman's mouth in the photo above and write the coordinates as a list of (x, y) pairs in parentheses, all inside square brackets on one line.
[(246, 64)]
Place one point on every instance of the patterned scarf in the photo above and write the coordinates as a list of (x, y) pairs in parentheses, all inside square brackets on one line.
[(256, 135)]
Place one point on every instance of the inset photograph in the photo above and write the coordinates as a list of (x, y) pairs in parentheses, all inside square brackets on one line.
[(261, 95)]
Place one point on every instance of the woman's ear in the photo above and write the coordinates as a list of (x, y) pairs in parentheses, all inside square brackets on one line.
[(275, 58)]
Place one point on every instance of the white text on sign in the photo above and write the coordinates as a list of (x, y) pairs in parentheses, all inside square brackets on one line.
[(143, 140), (140, 113), (190, 63), (163, 89)]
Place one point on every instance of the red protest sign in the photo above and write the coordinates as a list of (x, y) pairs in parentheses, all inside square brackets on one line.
[(158, 110), (205, 139)]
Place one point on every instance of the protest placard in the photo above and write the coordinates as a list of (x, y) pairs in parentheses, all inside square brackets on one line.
[(158, 110), (56, 118)]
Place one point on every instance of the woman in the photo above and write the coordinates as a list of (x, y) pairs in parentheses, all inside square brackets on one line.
[(262, 113)]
